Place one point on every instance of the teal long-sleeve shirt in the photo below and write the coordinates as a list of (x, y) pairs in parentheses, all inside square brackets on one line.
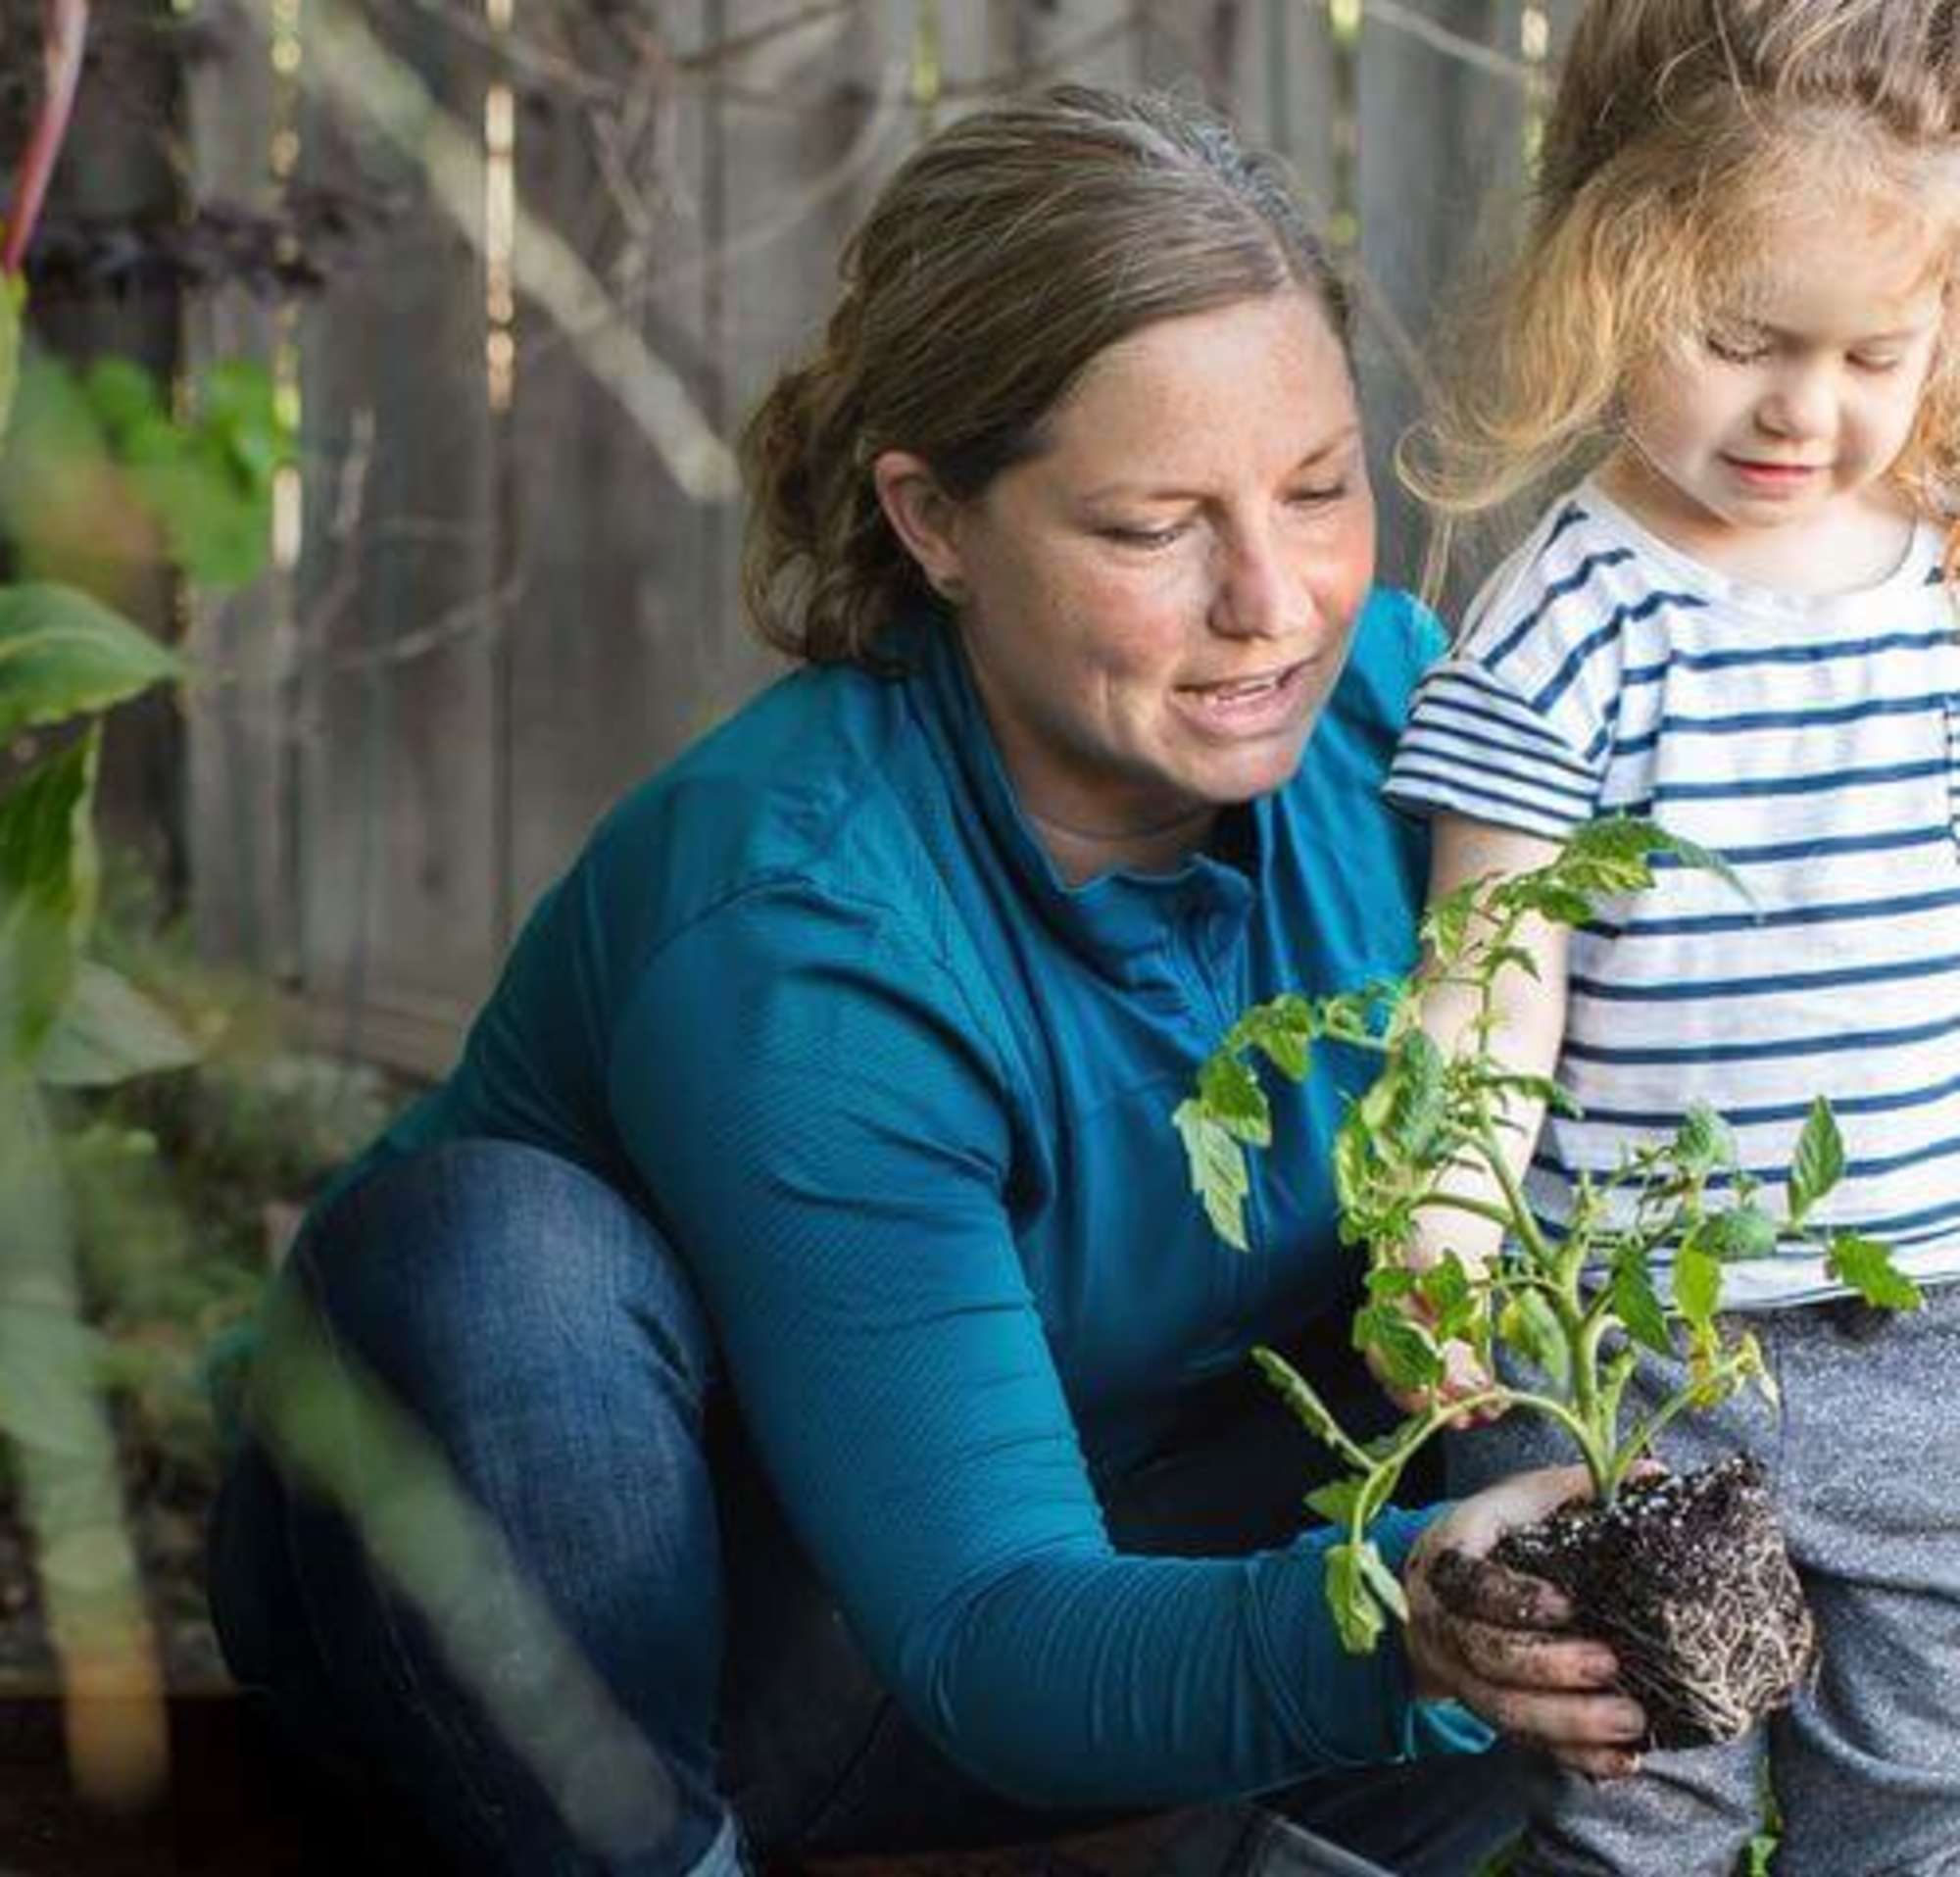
[(900, 1099)]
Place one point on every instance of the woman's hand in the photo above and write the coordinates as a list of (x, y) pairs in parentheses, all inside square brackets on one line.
[(1493, 1640)]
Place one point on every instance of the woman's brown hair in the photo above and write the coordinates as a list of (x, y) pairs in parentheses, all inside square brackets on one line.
[(1002, 256)]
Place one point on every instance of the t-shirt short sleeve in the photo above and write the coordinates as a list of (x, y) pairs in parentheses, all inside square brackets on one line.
[(1515, 725)]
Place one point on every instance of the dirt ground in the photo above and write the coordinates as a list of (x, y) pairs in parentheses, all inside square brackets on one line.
[(233, 1809), (230, 1812)]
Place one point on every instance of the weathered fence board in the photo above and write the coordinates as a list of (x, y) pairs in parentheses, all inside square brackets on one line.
[(534, 609), (395, 594), (240, 734), (1440, 141)]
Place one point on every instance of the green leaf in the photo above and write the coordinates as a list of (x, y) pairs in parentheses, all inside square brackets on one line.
[(1529, 1325), (1561, 904), (110, 1032), (1282, 1031), (1353, 1159), (1706, 860), (1355, 1017), (47, 896), (124, 398), (1382, 1582), (1416, 1107), (63, 653), (1638, 1303), (1697, 1285), (1445, 926), (1218, 1172), (1616, 841), (1307, 1408), (1337, 1499), (1357, 1615), (1702, 1142), (1819, 1163), (1742, 1232), (1387, 1282), (219, 532), (240, 405), (1447, 1290), (1867, 1266), (1233, 1097), (1615, 854), (1406, 1352), (208, 480)]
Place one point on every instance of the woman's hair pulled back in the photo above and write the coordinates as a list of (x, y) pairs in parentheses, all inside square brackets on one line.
[(1681, 136), (1002, 256)]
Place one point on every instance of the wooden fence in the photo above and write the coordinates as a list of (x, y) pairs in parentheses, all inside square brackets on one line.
[(507, 573)]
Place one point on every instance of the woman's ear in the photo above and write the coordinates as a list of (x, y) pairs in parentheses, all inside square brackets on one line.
[(924, 518)]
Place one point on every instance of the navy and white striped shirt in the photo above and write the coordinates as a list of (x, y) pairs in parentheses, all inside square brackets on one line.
[(1815, 741)]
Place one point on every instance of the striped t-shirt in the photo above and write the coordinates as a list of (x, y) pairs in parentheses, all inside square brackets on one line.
[(1815, 742)]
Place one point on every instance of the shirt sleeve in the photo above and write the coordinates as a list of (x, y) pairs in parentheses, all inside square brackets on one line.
[(831, 1145), (1509, 728)]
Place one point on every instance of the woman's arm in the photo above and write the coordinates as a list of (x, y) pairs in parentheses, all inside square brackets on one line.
[(828, 1138)]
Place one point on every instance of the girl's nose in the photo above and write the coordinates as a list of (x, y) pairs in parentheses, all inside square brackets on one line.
[(1800, 404)]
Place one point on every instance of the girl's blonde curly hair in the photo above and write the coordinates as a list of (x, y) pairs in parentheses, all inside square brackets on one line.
[(1682, 134)]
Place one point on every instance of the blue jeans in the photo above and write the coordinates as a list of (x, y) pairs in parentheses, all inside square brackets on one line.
[(542, 1334)]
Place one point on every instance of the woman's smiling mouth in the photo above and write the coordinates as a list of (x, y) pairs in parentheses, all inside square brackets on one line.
[(1248, 707)]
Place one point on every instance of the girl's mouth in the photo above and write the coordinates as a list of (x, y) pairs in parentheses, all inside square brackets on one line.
[(1772, 478)]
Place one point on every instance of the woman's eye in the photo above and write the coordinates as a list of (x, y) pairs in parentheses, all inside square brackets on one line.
[(1876, 362), (1319, 495), (1138, 538)]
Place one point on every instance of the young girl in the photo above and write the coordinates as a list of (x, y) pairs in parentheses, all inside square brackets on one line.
[(1739, 289)]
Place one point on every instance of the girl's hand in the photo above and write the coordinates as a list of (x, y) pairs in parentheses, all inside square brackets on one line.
[(1498, 1642), (1464, 1373)]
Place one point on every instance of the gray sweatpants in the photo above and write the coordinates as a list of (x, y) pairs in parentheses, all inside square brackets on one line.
[(1865, 1464)]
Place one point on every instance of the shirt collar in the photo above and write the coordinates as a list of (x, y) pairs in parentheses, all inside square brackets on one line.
[(1121, 921)]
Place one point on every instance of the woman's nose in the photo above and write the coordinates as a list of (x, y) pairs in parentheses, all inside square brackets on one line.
[(1255, 593)]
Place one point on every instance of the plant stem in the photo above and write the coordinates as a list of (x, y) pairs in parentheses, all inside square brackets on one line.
[(64, 32), (1460, 1203), (1641, 1439)]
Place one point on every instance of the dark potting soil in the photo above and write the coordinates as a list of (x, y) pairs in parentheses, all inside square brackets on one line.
[(1687, 1577)]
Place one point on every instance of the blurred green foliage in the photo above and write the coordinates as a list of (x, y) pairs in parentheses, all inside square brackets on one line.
[(186, 1183), (110, 474)]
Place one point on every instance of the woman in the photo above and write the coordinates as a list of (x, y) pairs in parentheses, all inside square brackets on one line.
[(831, 1087)]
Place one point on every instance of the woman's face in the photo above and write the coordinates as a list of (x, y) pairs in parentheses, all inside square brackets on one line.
[(1157, 603)]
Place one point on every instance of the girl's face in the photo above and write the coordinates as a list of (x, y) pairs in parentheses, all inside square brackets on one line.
[(1762, 448), (1157, 605)]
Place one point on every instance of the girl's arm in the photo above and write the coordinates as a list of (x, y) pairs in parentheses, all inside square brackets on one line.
[(1530, 1019), (1530, 1024)]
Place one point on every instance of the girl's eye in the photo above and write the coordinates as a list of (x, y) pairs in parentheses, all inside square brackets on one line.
[(1736, 348), (1876, 362)]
